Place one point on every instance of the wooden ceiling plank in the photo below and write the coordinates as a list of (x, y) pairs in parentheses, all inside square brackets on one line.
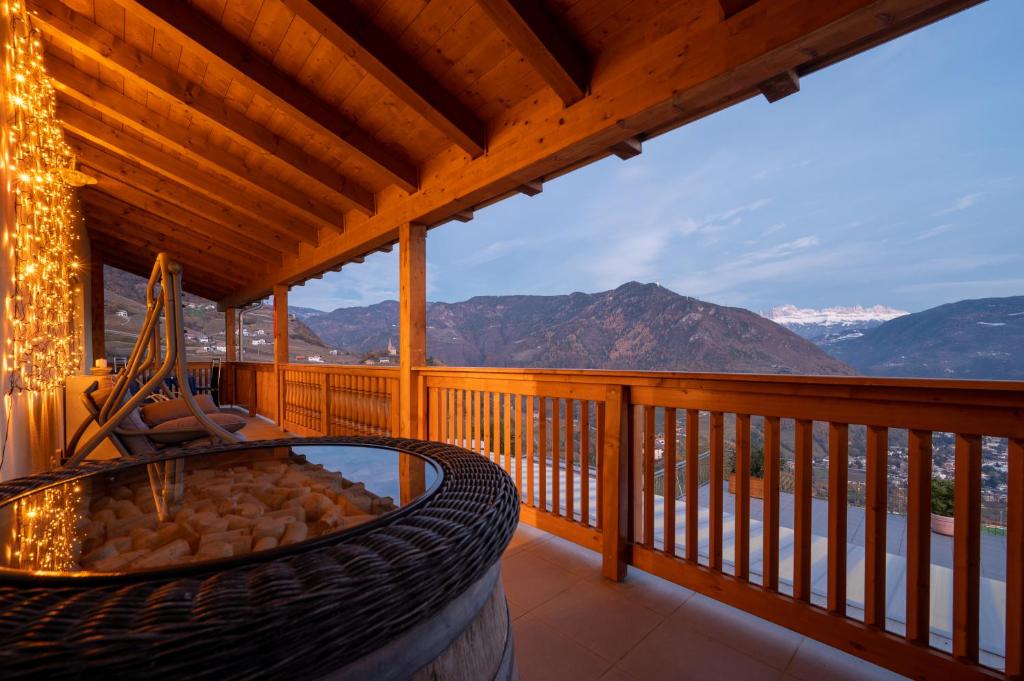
[(210, 39), (222, 214), (119, 229), (381, 57), (63, 24), (119, 212), (136, 116), (549, 47), (176, 214), (141, 264), (112, 237), (207, 184), (657, 88)]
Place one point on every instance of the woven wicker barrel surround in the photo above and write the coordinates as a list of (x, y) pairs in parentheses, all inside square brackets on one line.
[(313, 611)]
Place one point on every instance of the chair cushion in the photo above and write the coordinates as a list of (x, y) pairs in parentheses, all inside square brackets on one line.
[(176, 431), (155, 413)]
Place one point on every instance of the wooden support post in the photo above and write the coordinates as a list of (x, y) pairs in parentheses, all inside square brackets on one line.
[(412, 347), (615, 479), (412, 320), (231, 334), (280, 345), (96, 305)]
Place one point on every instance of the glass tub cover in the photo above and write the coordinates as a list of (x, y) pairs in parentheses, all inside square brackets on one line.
[(197, 509)]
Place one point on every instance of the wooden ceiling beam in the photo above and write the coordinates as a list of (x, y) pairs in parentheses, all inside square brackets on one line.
[(178, 215), (118, 229), (731, 7), (79, 87), (113, 237), (76, 31), (202, 35), (141, 264), (220, 213), (628, 148), (380, 56), (116, 211), (657, 88), (207, 185), (783, 85), (547, 45)]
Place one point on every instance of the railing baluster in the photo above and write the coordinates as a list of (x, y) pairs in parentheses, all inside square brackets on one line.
[(556, 456), (692, 484), (648, 477), (919, 534), (1015, 560), (802, 511), (838, 465), (770, 515), (669, 483), (472, 427), (715, 501), (520, 405), (601, 411), (875, 519), (585, 463), (531, 415), (966, 546), (542, 453), (508, 432), (570, 455), (488, 450), (435, 409), (741, 539)]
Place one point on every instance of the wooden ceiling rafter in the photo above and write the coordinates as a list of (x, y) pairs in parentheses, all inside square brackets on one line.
[(197, 262), (82, 125), (90, 92), (381, 57), (548, 46), (176, 214), (225, 214), (204, 36), (61, 23), (130, 217), (141, 264)]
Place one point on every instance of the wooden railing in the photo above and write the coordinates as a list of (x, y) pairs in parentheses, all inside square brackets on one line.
[(317, 400), (585, 449), (339, 400)]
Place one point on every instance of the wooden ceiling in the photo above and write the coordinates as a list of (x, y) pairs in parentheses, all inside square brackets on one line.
[(262, 142)]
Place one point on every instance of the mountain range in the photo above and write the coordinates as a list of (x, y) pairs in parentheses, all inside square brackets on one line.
[(635, 326)]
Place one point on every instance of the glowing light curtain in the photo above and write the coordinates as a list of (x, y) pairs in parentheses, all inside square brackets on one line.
[(43, 345)]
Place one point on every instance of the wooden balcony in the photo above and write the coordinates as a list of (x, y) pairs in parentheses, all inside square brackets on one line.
[(581, 446)]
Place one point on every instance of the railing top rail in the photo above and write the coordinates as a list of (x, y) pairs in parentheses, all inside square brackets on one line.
[(352, 369), (653, 377)]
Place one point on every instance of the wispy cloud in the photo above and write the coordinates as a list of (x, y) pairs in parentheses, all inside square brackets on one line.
[(963, 203), (934, 232), (495, 250)]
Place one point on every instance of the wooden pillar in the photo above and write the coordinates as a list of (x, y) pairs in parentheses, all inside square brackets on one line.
[(280, 345), (231, 334), (412, 348), (96, 309), (412, 321), (616, 535)]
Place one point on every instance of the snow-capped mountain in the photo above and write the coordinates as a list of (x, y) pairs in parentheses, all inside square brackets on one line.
[(831, 324)]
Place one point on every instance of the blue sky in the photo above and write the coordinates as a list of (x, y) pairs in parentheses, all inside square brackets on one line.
[(896, 177)]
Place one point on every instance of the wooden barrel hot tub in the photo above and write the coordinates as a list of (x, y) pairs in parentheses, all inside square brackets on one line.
[(333, 558)]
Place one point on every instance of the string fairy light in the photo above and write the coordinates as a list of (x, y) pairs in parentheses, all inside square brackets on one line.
[(43, 346)]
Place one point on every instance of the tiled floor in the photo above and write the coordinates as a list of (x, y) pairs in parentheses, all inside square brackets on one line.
[(571, 624)]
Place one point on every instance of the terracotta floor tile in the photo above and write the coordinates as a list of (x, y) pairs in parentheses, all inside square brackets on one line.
[(545, 654), (675, 651), (599, 618), (758, 638), (818, 662), (530, 580)]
